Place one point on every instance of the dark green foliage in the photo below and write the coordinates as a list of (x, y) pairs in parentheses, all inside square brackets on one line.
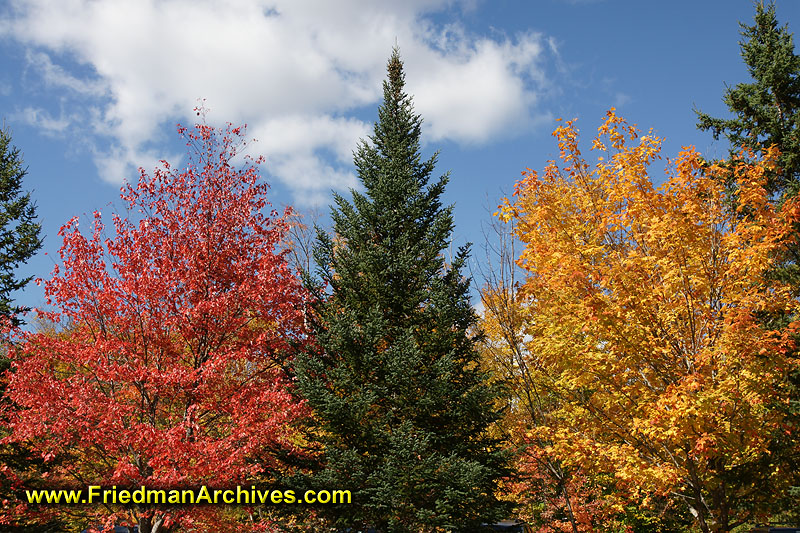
[(767, 110), (19, 241), (402, 406), (19, 231)]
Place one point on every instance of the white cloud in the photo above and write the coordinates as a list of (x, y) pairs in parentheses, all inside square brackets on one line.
[(41, 119), (296, 143), (474, 94), (55, 75), (292, 69), (620, 99)]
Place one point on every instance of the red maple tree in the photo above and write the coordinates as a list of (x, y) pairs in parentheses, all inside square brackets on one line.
[(168, 370)]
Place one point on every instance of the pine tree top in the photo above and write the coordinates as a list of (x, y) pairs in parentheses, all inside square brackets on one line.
[(392, 154), (390, 238), (767, 110)]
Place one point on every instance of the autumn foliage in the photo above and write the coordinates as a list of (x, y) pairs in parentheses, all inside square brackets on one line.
[(168, 366), (641, 320), (645, 336)]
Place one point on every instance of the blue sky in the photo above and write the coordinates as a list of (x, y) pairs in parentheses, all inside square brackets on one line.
[(93, 89)]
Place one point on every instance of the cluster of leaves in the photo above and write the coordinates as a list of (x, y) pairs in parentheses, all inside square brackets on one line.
[(641, 325), (169, 369), (651, 344)]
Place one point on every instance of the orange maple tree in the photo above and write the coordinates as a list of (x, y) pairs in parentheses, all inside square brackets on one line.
[(169, 371), (642, 313)]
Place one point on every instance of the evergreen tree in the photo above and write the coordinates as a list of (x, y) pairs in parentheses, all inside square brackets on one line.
[(402, 406), (19, 241), (767, 110), (19, 231)]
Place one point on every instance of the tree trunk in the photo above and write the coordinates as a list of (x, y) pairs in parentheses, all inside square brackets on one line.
[(150, 525)]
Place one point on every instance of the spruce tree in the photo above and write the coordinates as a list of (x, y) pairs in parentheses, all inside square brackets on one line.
[(402, 405), (19, 241), (766, 110), (19, 231)]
